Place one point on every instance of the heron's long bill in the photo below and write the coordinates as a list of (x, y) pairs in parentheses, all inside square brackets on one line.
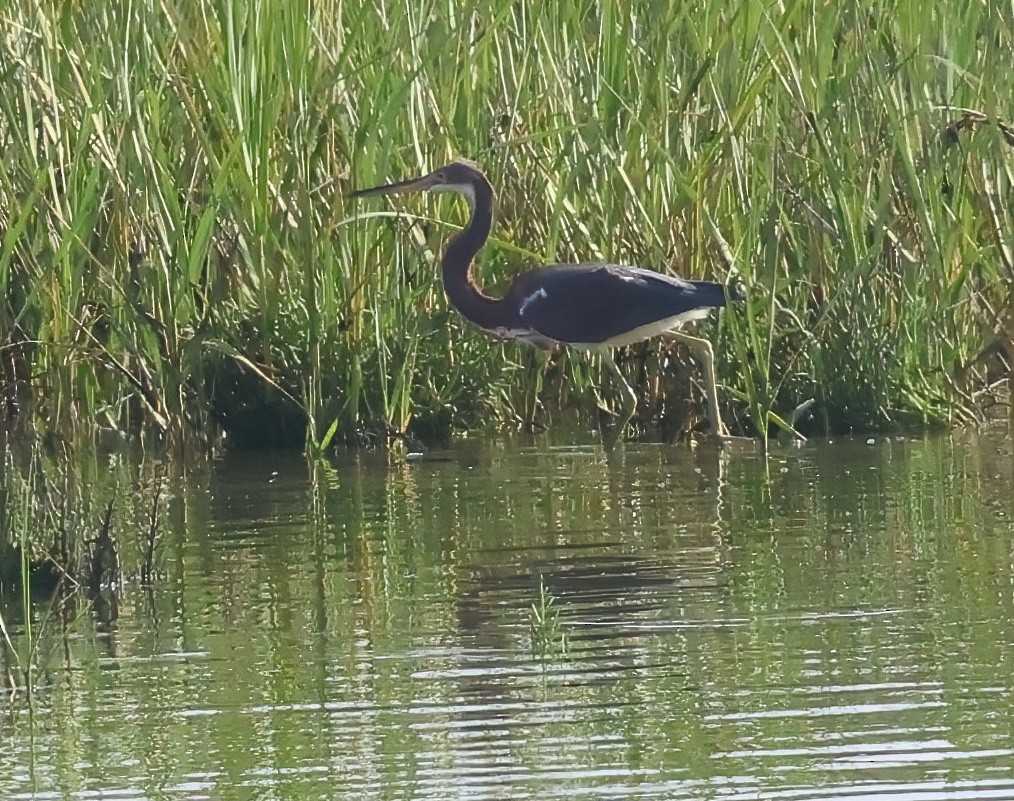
[(411, 185)]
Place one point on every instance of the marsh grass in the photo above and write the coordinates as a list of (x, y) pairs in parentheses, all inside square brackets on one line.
[(76, 523), (176, 252), (549, 638)]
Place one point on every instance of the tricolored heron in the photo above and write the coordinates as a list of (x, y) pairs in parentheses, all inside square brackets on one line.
[(593, 307)]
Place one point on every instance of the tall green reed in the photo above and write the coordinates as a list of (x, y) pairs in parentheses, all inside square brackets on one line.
[(178, 251)]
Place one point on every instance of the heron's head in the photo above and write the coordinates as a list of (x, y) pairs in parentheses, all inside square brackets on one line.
[(461, 176)]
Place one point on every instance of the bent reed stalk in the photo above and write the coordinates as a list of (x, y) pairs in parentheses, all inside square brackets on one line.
[(177, 254)]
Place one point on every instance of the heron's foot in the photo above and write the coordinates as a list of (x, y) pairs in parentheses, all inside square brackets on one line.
[(617, 418), (613, 433), (723, 438), (720, 434), (607, 414), (718, 437), (604, 410), (613, 423), (610, 436)]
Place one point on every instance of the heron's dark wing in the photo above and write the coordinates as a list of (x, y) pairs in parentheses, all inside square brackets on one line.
[(591, 303)]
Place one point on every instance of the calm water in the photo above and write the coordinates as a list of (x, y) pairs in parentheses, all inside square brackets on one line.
[(836, 622)]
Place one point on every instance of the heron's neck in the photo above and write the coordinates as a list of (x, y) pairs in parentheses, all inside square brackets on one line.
[(459, 283)]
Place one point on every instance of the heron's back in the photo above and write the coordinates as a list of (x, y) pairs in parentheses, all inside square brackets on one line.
[(606, 304)]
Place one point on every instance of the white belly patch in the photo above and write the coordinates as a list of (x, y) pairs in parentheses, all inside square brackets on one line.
[(644, 332)]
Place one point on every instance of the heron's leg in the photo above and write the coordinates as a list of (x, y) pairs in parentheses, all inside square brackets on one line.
[(702, 352), (629, 403), (630, 397)]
